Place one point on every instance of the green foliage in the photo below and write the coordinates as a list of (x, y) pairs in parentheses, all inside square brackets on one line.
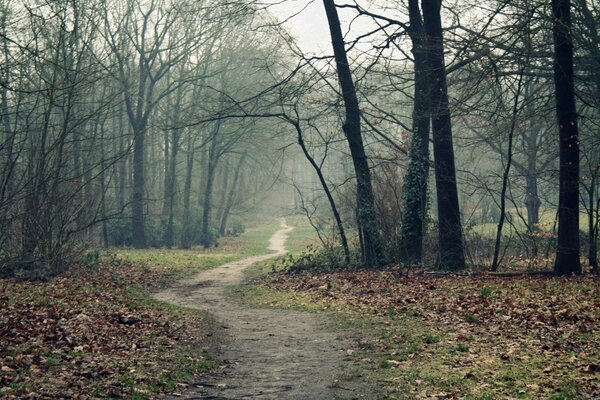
[(431, 338), (471, 318), (462, 347), (237, 229), (91, 259), (486, 292)]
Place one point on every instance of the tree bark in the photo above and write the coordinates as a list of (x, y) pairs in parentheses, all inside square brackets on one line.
[(450, 230), (334, 210), (568, 251), (223, 192), (137, 199), (367, 219), (231, 196), (186, 234), (415, 182), (171, 189), (213, 159)]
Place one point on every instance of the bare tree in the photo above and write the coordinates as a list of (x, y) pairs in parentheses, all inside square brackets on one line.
[(567, 257)]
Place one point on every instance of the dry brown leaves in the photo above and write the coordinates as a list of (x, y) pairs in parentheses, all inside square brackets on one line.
[(514, 319), (83, 335)]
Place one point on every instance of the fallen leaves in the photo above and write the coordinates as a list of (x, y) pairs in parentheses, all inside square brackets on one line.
[(497, 336), (87, 334)]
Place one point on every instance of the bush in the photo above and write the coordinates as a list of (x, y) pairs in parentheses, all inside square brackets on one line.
[(314, 259), (237, 229)]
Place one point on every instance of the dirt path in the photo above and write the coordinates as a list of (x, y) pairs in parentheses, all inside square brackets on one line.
[(271, 354)]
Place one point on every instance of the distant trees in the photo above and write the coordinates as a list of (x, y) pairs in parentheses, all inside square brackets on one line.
[(162, 123)]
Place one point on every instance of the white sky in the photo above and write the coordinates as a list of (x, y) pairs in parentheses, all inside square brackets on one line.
[(310, 27)]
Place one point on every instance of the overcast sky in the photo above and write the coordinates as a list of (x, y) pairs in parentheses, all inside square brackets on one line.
[(307, 21), (309, 27)]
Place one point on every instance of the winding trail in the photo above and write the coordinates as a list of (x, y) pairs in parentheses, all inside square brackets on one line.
[(270, 353)]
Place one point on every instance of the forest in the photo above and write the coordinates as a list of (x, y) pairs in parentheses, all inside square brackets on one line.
[(422, 176)]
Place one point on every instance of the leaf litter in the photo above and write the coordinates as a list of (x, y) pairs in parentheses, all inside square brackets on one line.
[(475, 337), (90, 333)]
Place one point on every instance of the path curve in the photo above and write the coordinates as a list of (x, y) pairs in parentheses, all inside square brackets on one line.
[(271, 354)]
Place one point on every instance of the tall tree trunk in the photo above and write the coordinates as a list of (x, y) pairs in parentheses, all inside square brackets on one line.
[(506, 175), (231, 196), (186, 234), (567, 257), (122, 164), (213, 159), (450, 230), (223, 192), (593, 221), (167, 177), (137, 200), (171, 189), (532, 199), (365, 203), (103, 190), (415, 182)]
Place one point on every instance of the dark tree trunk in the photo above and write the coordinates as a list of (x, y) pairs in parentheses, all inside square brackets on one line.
[(567, 257), (415, 182), (365, 203), (450, 230), (325, 187), (137, 199), (213, 159), (223, 192), (231, 196), (186, 235)]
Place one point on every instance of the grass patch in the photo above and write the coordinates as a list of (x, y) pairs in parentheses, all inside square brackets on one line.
[(179, 264), (302, 236)]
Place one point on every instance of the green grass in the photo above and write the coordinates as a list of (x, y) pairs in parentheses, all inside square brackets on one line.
[(488, 230), (182, 263), (302, 236)]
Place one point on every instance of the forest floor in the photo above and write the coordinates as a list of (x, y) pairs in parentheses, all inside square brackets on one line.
[(95, 332), (227, 325), (455, 337)]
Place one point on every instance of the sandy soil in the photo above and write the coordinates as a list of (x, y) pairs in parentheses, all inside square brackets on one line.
[(269, 353)]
